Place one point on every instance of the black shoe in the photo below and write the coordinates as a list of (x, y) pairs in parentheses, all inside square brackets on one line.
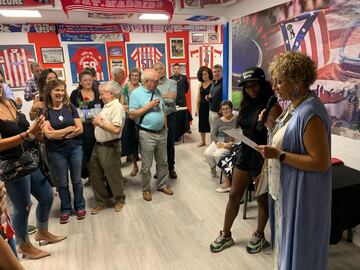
[(172, 174)]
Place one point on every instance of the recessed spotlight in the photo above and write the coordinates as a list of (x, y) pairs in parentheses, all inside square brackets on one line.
[(153, 16), (20, 13)]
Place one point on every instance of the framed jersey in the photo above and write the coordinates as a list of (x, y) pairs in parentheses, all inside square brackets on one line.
[(144, 56), (88, 55), (15, 63)]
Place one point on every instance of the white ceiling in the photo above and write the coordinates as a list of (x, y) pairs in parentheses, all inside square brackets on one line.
[(56, 14)]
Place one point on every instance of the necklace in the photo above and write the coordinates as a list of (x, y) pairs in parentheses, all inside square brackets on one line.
[(59, 114), (285, 116)]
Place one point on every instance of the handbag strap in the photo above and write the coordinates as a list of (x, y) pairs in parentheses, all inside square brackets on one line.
[(142, 117)]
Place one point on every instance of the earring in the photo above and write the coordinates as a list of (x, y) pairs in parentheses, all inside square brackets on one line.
[(296, 93)]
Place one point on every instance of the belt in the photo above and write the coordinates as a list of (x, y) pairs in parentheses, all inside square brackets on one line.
[(108, 143), (152, 131)]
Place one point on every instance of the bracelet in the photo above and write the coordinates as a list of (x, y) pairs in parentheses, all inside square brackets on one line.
[(24, 137)]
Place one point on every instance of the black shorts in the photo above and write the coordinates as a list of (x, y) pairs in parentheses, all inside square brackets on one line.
[(248, 159)]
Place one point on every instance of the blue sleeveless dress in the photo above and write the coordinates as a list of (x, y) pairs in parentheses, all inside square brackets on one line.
[(305, 198)]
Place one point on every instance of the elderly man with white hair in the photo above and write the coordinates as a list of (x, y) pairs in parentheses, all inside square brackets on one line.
[(118, 75), (105, 158), (147, 105)]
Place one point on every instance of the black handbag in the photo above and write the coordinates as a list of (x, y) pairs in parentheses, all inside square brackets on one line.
[(13, 169)]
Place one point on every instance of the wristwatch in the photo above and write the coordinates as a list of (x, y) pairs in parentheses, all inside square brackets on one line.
[(282, 156)]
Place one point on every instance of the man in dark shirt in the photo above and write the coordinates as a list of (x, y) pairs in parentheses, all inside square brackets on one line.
[(182, 85), (216, 96)]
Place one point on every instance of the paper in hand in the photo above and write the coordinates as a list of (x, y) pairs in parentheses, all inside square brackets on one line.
[(239, 136)]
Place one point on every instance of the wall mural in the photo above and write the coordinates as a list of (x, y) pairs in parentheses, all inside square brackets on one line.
[(328, 31), (15, 63), (88, 55)]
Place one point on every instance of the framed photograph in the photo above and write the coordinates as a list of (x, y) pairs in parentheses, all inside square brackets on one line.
[(117, 63), (115, 51), (177, 50), (213, 37), (52, 55), (197, 37), (60, 72)]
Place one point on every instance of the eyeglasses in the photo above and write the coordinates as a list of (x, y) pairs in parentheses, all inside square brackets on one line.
[(225, 109)]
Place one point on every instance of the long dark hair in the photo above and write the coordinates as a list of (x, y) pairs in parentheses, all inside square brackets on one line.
[(42, 82), (260, 101)]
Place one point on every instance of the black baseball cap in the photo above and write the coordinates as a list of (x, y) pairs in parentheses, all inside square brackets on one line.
[(252, 74)]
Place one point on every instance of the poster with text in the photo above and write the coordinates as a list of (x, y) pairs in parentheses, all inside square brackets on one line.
[(15, 63), (328, 32), (144, 56), (88, 55)]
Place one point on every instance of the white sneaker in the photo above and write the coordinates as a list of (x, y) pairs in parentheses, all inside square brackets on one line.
[(223, 190)]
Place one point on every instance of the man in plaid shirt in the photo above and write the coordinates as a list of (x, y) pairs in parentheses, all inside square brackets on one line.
[(31, 85)]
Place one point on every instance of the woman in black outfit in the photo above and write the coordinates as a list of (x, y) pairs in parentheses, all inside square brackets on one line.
[(84, 97), (205, 76), (248, 164)]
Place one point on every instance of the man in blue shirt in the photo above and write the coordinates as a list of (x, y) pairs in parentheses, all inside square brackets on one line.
[(147, 105)]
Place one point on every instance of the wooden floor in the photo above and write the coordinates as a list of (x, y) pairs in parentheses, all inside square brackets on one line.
[(170, 232)]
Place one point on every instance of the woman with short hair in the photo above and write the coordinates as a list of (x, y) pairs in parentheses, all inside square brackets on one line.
[(299, 168)]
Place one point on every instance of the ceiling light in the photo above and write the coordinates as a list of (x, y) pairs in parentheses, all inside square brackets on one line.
[(151, 16), (20, 13)]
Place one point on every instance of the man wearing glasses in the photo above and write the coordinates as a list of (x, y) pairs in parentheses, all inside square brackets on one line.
[(147, 106)]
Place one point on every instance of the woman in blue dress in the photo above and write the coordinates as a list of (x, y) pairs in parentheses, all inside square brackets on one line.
[(298, 168)]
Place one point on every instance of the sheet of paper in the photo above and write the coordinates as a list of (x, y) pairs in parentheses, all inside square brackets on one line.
[(239, 136)]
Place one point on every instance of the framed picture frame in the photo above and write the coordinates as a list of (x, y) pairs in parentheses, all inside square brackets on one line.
[(213, 38), (117, 63), (60, 72), (53, 55), (177, 50), (197, 37)]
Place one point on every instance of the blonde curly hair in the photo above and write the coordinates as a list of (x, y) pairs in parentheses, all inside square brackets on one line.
[(294, 67)]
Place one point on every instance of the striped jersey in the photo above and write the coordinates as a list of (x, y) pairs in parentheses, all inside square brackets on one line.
[(145, 57), (15, 62)]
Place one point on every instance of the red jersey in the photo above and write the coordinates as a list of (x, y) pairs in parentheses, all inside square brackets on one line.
[(89, 57)]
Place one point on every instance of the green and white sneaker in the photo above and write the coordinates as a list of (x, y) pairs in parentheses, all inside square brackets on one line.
[(221, 242), (257, 243)]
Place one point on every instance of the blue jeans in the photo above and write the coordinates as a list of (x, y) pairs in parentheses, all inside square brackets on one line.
[(19, 194), (61, 161)]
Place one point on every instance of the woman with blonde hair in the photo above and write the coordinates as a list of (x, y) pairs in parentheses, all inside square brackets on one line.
[(298, 168)]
